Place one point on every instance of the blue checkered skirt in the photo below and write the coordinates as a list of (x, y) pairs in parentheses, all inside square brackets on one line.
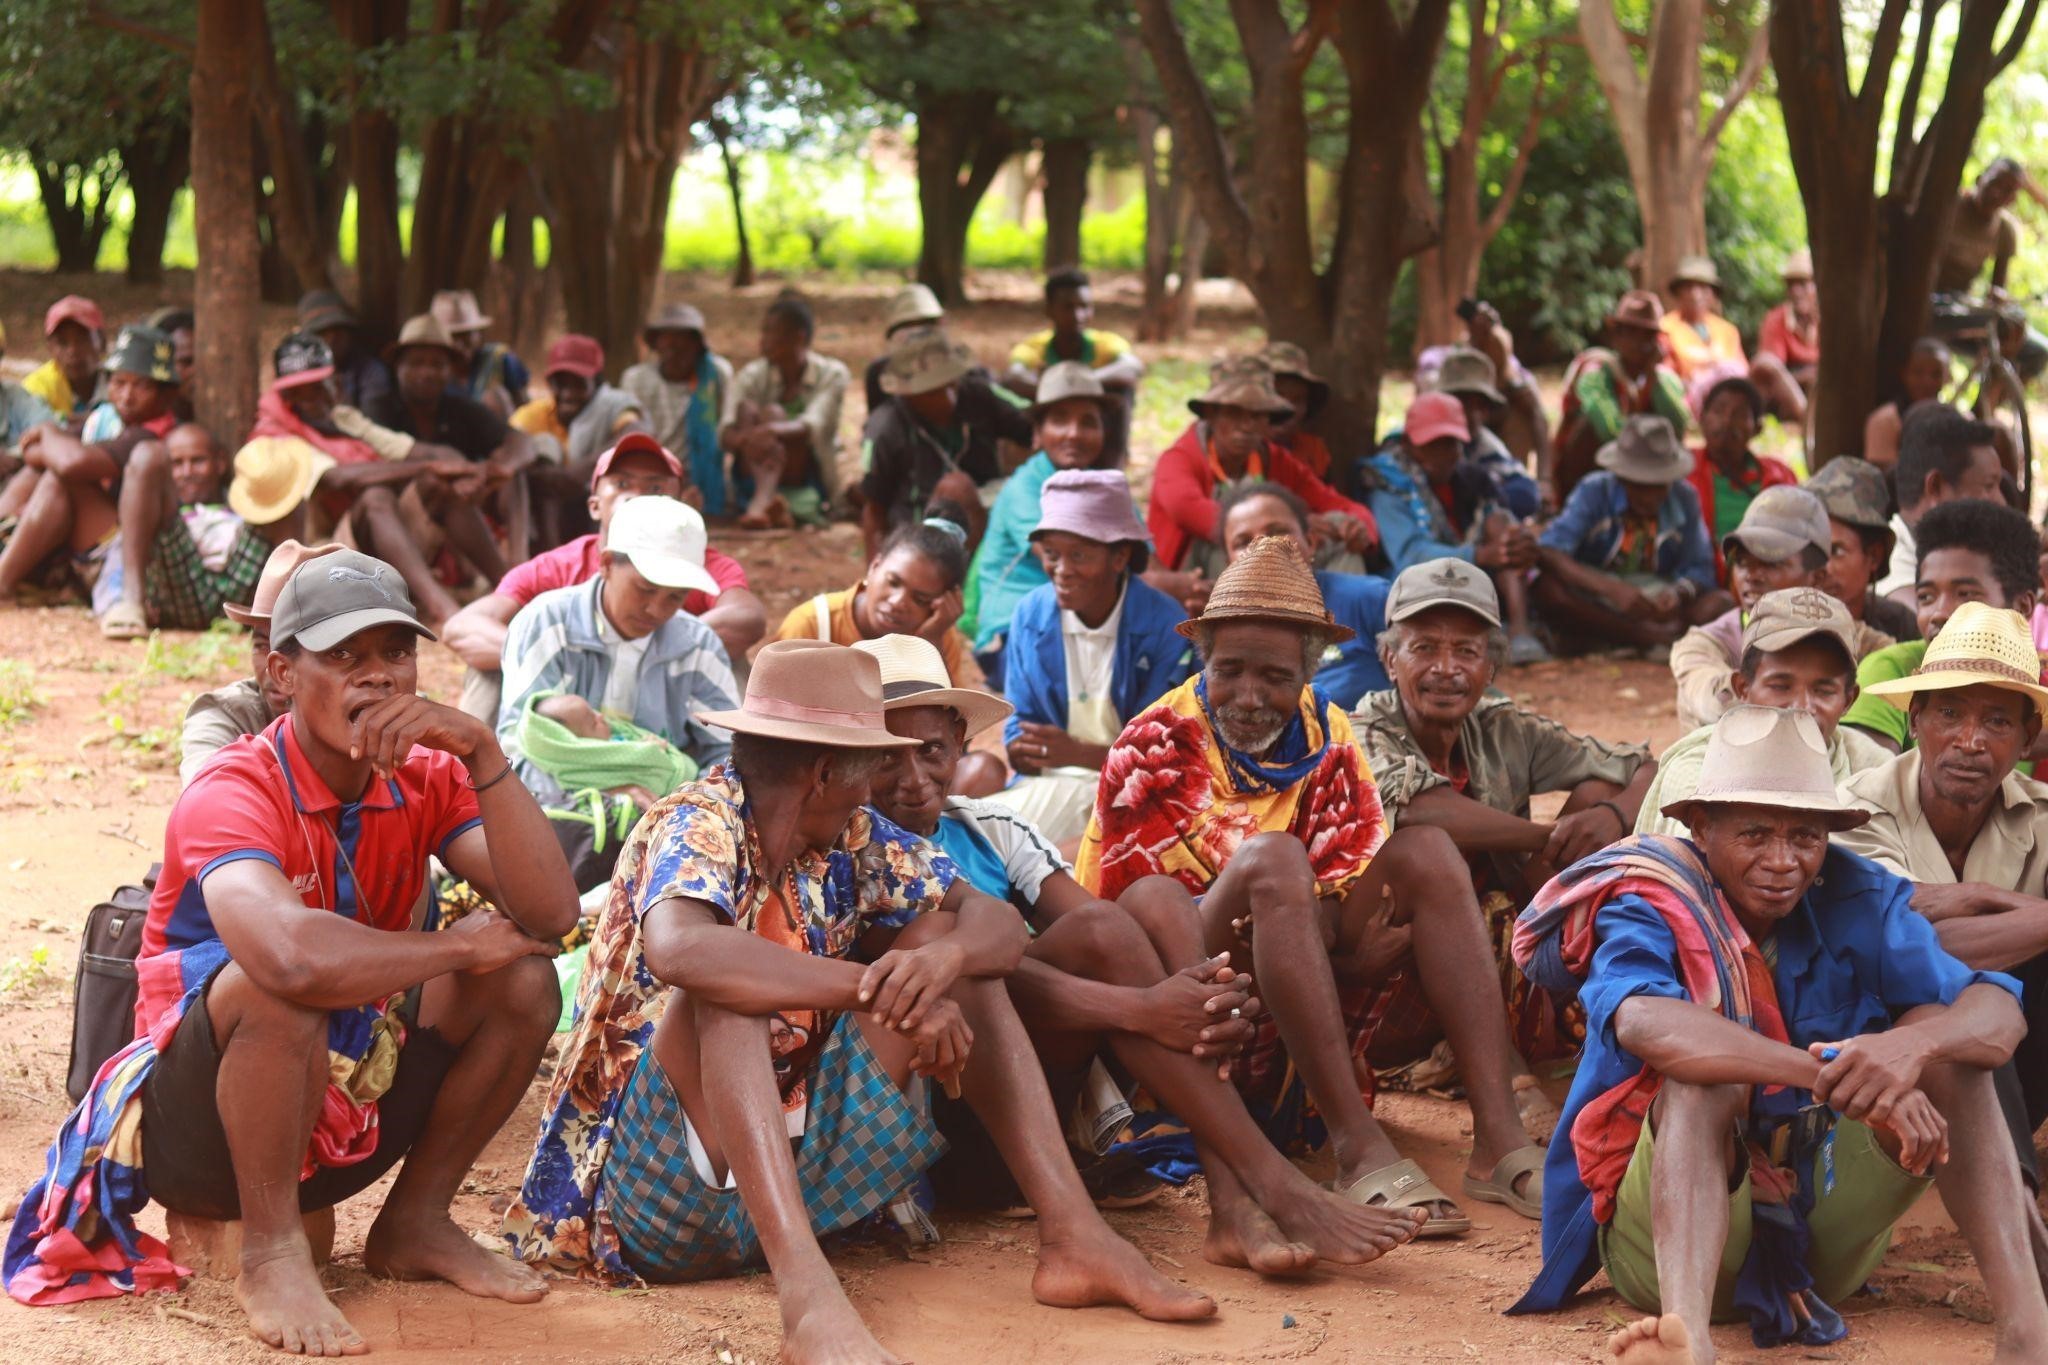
[(864, 1142)]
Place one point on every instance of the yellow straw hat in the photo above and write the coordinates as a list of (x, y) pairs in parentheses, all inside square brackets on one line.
[(1981, 644), (1270, 581), (914, 674), (273, 475)]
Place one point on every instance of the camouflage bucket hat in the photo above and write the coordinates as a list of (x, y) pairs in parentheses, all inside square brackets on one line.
[(1854, 491), (925, 359), (141, 350), (1284, 357), (1244, 381)]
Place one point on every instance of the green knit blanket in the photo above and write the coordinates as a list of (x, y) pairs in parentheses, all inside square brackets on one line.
[(632, 757)]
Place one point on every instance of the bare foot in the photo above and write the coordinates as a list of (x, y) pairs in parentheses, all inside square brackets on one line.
[(825, 1330), (1243, 1237), (1653, 1341), (1100, 1267), (436, 1249), (1340, 1230), (289, 1310)]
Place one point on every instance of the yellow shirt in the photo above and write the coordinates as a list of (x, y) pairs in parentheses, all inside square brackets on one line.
[(829, 616), (48, 383), (1097, 349)]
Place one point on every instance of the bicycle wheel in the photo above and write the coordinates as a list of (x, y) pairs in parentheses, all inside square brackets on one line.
[(2007, 409)]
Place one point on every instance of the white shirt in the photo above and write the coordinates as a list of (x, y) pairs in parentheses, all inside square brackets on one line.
[(1904, 569), (622, 688), (1091, 666)]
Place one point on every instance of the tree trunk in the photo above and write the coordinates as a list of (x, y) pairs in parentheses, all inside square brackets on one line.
[(75, 203), (291, 204), (225, 55), (517, 297), (373, 167), (960, 146), (1065, 167), (157, 167), (1193, 230), (743, 261)]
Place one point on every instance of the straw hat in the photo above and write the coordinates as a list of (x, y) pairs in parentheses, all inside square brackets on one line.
[(1646, 450), (284, 561), (456, 310), (1284, 357), (914, 674), (1269, 581), (1241, 381), (273, 475), (913, 305), (673, 317), (1761, 756), (812, 692), (1696, 270), (1798, 266), (1980, 644), (925, 359), (1067, 379), (425, 330), (1094, 504)]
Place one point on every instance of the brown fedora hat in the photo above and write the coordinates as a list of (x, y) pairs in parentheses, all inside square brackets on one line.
[(425, 330), (1270, 581), (1637, 308), (1241, 381), (813, 692)]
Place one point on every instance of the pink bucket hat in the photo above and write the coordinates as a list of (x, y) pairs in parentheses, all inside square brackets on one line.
[(1433, 416), (1094, 504)]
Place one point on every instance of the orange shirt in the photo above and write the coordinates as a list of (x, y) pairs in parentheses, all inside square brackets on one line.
[(1693, 349)]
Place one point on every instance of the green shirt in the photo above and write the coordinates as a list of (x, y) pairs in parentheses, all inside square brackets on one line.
[(1732, 500), (1876, 714)]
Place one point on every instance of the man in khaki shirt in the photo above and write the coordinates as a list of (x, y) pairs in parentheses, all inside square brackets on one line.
[(1953, 814)]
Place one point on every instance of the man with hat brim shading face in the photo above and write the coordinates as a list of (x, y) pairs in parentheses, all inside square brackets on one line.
[(1956, 816), (1357, 601), (1791, 331), (1944, 456), (914, 305), (429, 407), (1432, 502), (777, 960), (1606, 385), (269, 968), (1088, 649), (934, 441), (1784, 541), (1306, 394), (1248, 787), (1975, 552), (489, 372), (1798, 653), (1628, 562), (1446, 750), (784, 431), (686, 391), (579, 419), (638, 466), (623, 645), (1229, 443), (1756, 978), (216, 719), (70, 380), (1858, 500), (1726, 472), (1701, 342), (1091, 980), (1070, 307), (67, 495), (1469, 376), (361, 378)]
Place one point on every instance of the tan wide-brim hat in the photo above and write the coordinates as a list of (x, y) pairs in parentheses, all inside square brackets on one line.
[(1798, 266), (914, 674), (673, 317), (456, 310), (1646, 450), (1696, 270), (812, 692), (273, 475), (425, 330), (1064, 380), (922, 359), (1761, 756), (1981, 644), (284, 561), (1244, 381), (1269, 581)]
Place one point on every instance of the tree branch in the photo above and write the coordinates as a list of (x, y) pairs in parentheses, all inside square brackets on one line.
[(1746, 76), (1314, 30), (1540, 112), (1884, 50), (1905, 141), (1607, 48), (2016, 39), (1197, 138), (147, 33)]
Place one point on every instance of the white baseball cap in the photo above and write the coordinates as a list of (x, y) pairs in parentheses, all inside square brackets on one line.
[(665, 540)]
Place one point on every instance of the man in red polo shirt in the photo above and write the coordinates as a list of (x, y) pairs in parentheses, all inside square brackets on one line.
[(638, 465)]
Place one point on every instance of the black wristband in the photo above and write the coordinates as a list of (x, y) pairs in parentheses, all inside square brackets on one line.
[(503, 773)]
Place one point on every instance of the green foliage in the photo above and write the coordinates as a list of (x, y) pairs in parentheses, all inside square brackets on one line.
[(19, 694), (74, 89), (221, 648), (21, 976)]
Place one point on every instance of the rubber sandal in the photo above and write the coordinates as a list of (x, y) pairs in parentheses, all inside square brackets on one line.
[(1404, 1185), (1539, 1113), (124, 621), (1499, 1187)]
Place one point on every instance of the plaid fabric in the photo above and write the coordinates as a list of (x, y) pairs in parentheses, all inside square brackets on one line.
[(182, 593), (1272, 1088), (864, 1141)]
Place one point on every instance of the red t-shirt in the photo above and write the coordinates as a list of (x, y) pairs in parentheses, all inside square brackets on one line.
[(260, 798), (578, 562)]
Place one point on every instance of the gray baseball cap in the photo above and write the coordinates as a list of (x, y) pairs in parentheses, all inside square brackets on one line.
[(1443, 583), (1780, 523), (1785, 617), (328, 599)]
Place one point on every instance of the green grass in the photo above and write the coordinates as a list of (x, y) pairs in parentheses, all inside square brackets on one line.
[(19, 694), (222, 647)]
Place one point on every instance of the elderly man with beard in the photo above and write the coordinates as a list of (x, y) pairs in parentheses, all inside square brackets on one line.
[(1248, 786), (1448, 752), (1779, 1054)]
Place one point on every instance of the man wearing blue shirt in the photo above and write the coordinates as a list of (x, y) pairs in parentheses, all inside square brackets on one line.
[(1755, 981)]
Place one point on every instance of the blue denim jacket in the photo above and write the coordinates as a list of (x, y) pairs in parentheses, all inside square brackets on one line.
[(1589, 529)]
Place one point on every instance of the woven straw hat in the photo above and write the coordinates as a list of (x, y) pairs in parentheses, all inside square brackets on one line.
[(812, 692), (1241, 381), (1269, 581), (1761, 756), (914, 674), (922, 359), (273, 475), (1798, 266), (1980, 644)]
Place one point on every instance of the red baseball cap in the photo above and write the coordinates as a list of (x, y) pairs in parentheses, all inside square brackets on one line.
[(575, 354), (635, 443), (73, 308), (1433, 416)]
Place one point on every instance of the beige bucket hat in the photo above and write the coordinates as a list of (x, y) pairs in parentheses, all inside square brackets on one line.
[(1761, 756), (1241, 381), (456, 309), (1798, 266), (1068, 379), (812, 692), (1466, 370), (914, 674), (912, 305), (924, 359), (1980, 644)]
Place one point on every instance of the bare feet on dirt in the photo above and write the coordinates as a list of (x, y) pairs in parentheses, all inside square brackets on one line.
[(827, 1331), (1243, 1237), (1100, 1267), (1341, 1230), (436, 1249), (289, 1310), (1653, 1341)]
